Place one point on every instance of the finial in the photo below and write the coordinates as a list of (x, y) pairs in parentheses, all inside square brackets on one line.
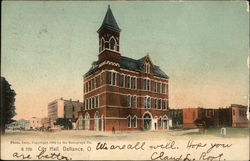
[(109, 6)]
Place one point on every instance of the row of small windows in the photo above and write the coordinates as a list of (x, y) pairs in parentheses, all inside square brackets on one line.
[(131, 101), (157, 86), (94, 83), (131, 122), (156, 103), (126, 81), (92, 102), (111, 44)]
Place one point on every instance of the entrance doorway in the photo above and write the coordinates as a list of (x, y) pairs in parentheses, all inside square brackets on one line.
[(147, 121)]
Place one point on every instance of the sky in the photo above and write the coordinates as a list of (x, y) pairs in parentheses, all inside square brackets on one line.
[(202, 46)]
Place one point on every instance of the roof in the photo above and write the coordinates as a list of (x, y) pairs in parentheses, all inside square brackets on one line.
[(130, 64), (109, 21)]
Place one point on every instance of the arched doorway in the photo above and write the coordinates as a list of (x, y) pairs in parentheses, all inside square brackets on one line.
[(147, 121), (165, 122), (87, 121), (96, 121), (80, 119)]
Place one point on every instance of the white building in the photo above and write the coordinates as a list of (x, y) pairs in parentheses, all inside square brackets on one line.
[(35, 123), (19, 124)]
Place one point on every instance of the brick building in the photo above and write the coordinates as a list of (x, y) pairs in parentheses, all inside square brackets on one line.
[(61, 108), (239, 115), (192, 114), (176, 117), (122, 93), (233, 116)]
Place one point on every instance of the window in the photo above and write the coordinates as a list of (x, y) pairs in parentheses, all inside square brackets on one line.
[(128, 83), (155, 103), (163, 104), (155, 86), (98, 81), (147, 102), (135, 122), (122, 80), (102, 79), (112, 78), (93, 102), (89, 103), (146, 84), (159, 104), (147, 68), (106, 45), (134, 101), (129, 121), (164, 88), (86, 87), (128, 101), (73, 108), (112, 44), (89, 85), (103, 45), (96, 101), (92, 84), (109, 77), (160, 87), (133, 82)]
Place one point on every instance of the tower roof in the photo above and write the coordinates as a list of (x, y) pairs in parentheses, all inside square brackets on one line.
[(109, 21)]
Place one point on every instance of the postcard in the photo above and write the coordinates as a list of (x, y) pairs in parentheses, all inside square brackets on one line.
[(125, 80)]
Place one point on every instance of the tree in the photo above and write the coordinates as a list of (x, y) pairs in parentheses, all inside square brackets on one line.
[(7, 104), (66, 123)]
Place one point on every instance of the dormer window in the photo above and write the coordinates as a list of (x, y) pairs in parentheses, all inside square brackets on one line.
[(147, 68)]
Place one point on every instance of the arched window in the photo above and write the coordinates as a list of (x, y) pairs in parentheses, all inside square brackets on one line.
[(80, 122), (135, 122), (112, 44), (96, 121), (160, 122), (102, 45), (87, 121), (129, 121)]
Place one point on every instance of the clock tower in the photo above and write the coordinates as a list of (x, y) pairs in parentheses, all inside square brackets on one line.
[(109, 39)]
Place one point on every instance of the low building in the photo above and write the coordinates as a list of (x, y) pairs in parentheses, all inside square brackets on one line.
[(224, 117), (19, 125), (190, 115), (45, 122), (176, 117), (239, 115), (233, 116), (61, 108), (35, 123)]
